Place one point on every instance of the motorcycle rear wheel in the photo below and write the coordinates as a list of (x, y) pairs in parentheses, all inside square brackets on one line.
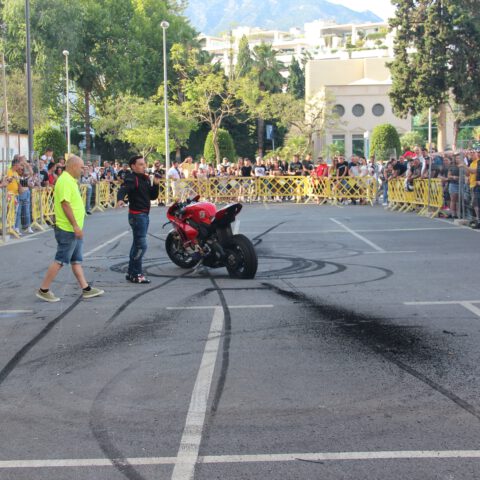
[(242, 261), (176, 252)]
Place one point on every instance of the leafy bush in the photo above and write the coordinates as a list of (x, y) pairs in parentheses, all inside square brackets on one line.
[(411, 139), (49, 137), (225, 142), (385, 142)]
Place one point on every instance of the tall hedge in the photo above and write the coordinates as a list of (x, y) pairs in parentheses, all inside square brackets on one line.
[(225, 142), (385, 142), (49, 137)]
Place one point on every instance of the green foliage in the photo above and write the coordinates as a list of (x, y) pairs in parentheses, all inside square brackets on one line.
[(295, 145), (267, 68), (437, 55), (244, 58), (140, 122), (17, 102), (225, 143), (49, 137), (296, 79), (385, 142), (333, 150), (411, 139)]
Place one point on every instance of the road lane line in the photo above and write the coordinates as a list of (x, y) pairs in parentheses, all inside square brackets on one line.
[(260, 458), (13, 312), (96, 249), (467, 304), (187, 455), (360, 237), (218, 306)]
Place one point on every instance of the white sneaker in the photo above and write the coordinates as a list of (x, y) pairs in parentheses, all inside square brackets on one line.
[(17, 231), (29, 230)]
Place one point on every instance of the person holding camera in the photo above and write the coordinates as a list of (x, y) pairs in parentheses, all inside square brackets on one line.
[(140, 192)]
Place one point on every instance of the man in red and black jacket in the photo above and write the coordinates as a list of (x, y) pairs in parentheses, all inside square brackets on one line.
[(140, 192)]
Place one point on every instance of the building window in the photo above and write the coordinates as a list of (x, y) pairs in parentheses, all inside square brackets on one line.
[(339, 142), (358, 110), (339, 110), (378, 110), (358, 145)]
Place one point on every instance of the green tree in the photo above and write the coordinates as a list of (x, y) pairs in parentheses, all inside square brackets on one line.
[(267, 72), (140, 122), (244, 58), (411, 139), (308, 118), (226, 146), (210, 98), (17, 102), (437, 58), (114, 45), (385, 142), (296, 80), (50, 137)]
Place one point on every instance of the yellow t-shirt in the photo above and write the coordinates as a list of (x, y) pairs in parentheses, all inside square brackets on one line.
[(473, 176), (12, 187), (67, 189)]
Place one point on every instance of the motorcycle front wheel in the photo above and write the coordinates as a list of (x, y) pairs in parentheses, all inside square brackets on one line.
[(177, 253), (242, 261)]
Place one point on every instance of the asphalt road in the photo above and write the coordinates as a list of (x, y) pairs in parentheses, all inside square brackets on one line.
[(354, 354)]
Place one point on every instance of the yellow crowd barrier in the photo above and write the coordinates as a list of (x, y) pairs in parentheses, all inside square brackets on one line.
[(272, 189), (11, 214), (426, 197)]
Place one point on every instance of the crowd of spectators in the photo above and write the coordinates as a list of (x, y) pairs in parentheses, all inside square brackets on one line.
[(459, 174)]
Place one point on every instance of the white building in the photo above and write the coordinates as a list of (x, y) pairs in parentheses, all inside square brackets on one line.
[(360, 88), (317, 40)]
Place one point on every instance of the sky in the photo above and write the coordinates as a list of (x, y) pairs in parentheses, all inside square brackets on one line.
[(383, 8)]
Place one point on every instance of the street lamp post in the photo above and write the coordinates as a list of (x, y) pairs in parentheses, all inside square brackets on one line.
[(66, 53), (7, 150), (29, 81), (164, 26)]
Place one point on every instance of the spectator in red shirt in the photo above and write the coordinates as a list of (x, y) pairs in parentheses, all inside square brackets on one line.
[(321, 171), (51, 174)]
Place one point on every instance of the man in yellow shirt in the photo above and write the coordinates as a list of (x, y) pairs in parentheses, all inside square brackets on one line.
[(474, 181), (13, 174), (69, 218)]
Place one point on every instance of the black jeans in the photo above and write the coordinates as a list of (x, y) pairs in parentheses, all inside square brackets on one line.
[(139, 223)]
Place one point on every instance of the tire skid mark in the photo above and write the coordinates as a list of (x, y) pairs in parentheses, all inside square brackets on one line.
[(380, 344), (227, 335), (16, 359), (100, 432), (133, 299)]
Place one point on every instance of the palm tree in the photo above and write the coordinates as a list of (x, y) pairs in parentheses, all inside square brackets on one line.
[(267, 70)]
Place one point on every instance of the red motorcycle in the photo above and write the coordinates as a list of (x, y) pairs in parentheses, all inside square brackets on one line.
[(203, 236)]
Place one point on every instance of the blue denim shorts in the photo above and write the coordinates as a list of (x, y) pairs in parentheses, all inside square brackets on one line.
[(69, 248), (453, 188)]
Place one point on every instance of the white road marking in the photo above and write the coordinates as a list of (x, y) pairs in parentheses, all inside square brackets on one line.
[(14, 312), (360, 237), (468, 304), (187, 455), (396, 252), (261, 458), (96, 249), (217, 306), (379, 230)]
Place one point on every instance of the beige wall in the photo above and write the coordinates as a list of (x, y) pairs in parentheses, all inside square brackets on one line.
[(364, 82)]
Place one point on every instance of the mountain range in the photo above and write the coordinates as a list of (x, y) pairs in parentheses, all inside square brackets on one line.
[(215, 16)]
